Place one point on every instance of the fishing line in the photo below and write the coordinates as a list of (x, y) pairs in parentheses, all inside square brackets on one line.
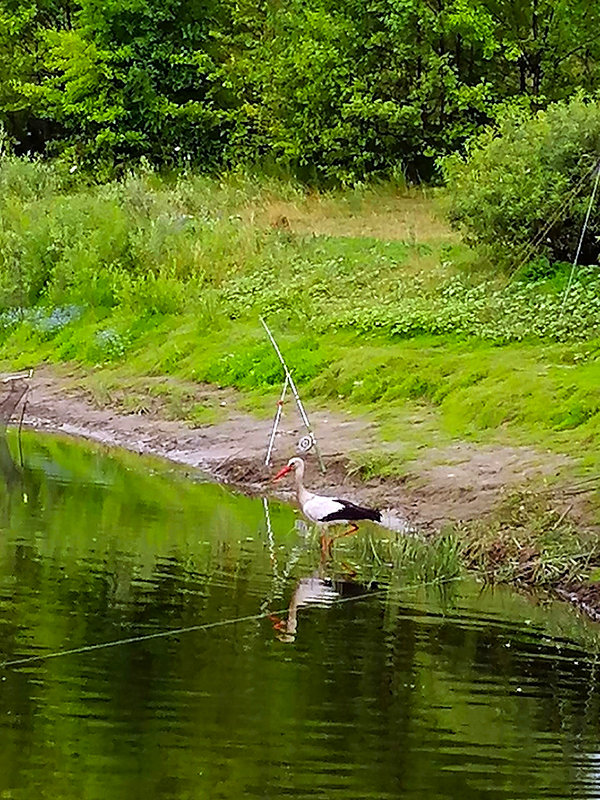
[(530, 247), (204, 627), (581, 238)]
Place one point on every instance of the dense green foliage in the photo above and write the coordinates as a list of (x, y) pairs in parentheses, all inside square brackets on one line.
[(336, 91), (525, 189)]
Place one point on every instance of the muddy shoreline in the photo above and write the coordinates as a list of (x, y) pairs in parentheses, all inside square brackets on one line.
[(463, 484), (460, 483)]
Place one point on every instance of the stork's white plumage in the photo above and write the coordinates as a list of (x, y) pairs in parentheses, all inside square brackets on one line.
[(324, 510)]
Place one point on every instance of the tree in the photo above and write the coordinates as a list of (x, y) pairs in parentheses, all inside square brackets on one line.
[(139, 79), (333, 91), (23, 24), (524, 189)]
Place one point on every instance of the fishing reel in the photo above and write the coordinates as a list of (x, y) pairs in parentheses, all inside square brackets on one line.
[(306, 443)]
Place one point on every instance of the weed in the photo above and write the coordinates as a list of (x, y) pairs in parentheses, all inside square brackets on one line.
[(369, 464), (411, 558), (109, 345), (529, 541)]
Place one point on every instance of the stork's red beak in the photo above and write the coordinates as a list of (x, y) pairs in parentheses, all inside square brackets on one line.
[(282, 472)]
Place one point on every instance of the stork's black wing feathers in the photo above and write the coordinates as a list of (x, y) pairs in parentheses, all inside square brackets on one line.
[(351, 512)]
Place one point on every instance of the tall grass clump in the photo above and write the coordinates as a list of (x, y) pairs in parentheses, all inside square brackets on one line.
[(141, 242), (530, 541), (411, 558)]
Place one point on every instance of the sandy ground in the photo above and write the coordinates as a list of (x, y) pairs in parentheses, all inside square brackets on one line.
[(462, 482)]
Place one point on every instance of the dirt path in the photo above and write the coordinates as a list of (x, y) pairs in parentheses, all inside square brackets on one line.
[(462, 482)]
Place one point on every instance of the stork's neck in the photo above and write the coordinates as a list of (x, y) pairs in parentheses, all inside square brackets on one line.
[(291, 623), (302, 492)]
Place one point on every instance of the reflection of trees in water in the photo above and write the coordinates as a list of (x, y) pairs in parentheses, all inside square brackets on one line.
[(12, 394), (8, 469), (390, 682)]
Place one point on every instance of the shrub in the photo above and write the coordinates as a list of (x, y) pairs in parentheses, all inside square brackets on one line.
[(523, 190)]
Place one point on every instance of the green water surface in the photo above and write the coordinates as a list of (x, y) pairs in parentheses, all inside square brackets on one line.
[(341, 689)]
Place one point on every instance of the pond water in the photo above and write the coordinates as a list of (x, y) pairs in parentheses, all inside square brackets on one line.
[(327, 686)]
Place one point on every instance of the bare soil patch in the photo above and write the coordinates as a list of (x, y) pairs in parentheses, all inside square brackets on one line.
[(463, 482)]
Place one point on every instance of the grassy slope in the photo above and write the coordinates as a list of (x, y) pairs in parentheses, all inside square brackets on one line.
[(375, 303)]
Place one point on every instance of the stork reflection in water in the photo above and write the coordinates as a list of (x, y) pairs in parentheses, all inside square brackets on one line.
[(317, 590)]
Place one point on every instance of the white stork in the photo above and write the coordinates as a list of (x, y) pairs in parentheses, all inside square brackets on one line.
[(326, 511)]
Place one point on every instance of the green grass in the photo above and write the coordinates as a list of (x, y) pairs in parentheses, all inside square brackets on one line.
[(422, 391), (173, 399), (149, 278)]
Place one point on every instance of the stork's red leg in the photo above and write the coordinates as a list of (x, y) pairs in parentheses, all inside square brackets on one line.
[(326, 542), (352, 529)]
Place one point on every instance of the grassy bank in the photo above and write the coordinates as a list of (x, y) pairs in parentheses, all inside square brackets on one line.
[(148, 277), (376, 304)]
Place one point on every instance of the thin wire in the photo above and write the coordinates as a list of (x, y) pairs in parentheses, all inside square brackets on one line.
[(531, 246), (205, 627), (580, 245), (134, 639)]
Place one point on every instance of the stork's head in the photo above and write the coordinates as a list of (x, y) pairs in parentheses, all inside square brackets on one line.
[(293, 465)]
